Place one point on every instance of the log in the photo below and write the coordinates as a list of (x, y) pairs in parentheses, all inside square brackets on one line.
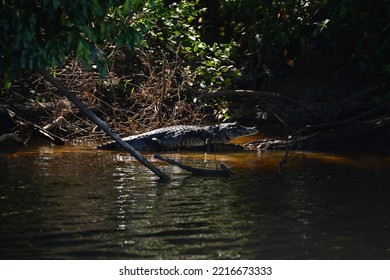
[(224, 172), (364, 133), (103, 126)]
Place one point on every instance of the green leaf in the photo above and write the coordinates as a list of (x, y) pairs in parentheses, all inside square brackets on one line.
[(8, 79), (196, 44), (82, 51)]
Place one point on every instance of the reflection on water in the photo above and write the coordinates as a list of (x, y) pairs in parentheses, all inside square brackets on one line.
[(77, 202)]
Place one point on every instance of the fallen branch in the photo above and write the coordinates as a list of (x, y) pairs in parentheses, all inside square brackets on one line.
[(39, 131), (47, 135), (224, 172), (103, 126), (350, 120), (354, 135), (257, 94)]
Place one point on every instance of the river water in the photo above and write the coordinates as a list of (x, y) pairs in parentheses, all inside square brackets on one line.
[(75, 202)]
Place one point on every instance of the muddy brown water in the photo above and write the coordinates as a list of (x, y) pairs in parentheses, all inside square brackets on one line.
[(75, 202)]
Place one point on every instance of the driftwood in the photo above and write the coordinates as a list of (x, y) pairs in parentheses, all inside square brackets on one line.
[(10, 125), (356, 135), (224, 172), (45, 134), (102, 125)]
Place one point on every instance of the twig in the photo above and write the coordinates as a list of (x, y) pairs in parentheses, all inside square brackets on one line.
[(163, 92), (284, 160)]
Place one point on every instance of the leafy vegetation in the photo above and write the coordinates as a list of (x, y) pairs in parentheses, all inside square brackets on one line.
[(271, 34), (42, 33), (214, 39), (360, 29), (175, 46), (176, 28)]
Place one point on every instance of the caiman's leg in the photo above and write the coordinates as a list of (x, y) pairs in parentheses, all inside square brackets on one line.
[(209, 145), (157, 145)]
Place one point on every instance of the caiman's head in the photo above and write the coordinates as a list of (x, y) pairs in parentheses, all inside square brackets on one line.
[(229, 131)]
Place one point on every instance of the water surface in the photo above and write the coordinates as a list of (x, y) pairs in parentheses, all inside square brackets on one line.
[(75, 202)]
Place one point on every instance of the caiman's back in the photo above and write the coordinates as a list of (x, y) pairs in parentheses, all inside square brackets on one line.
[(166, 138), (184, 136)]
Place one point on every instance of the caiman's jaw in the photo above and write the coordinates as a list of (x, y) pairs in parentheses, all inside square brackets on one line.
[(230, 131)]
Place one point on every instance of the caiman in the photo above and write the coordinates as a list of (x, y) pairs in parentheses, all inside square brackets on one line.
[(184, 137)]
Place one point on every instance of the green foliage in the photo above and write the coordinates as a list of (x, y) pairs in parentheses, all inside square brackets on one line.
[(270, 33), (267, 31), (176, 28), (42, 33), (214, 39), (361, 29)]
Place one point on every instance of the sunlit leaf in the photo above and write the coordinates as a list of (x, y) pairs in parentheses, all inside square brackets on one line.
[(7, 84)]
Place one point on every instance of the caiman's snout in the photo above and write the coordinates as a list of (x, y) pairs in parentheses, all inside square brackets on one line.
[(250, 130), (246, 131), (229, 131)]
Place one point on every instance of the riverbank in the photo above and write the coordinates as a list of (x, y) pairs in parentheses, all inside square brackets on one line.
[(311, 105)]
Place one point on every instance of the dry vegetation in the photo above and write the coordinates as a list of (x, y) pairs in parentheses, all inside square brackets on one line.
[(141, 91)]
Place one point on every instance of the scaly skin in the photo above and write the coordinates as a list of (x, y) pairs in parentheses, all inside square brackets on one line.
[(184, 136)]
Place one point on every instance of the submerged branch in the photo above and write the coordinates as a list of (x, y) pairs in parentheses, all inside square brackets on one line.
[(224, 172)]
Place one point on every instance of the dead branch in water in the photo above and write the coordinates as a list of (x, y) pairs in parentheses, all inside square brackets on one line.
[(224, 172)]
